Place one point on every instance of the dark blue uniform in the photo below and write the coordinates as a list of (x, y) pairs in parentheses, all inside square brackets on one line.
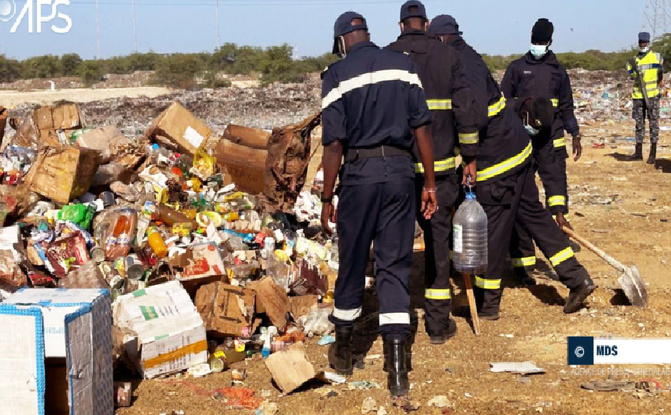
[(507, 190), (528, 77), (370, 99)]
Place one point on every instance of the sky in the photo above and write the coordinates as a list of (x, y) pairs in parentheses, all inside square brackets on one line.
[(170, 26)]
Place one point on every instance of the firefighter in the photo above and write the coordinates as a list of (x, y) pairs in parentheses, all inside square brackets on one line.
[(372, 106), (506, 187), (646, 69), (539, 74), (439, 69)]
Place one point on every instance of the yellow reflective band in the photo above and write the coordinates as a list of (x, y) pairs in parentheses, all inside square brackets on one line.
[(452, 254), (438, 166), (494, 109), (560, 142), (557, 201), (439, 104), (566, 216), (487, 284), (529, 261), (561, 256), (438, 294), (470, 138), (555, 102), (505, 165)]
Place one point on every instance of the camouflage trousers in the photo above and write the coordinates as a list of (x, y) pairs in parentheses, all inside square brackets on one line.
[(640, 112)]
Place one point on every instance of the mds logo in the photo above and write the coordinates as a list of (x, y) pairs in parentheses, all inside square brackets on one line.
[(37, 11), (606, 350)]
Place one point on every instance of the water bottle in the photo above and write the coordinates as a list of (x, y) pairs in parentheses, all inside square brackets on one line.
[(470, 237)]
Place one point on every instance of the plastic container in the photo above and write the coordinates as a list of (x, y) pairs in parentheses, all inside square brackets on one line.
[(123, 227), (170, 216), (470, 237), (157, 243)]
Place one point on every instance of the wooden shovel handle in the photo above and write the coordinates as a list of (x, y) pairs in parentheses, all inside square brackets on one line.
[(601, 254), (471, 304)]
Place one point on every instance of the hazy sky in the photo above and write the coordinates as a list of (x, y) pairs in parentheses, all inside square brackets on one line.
[(491, 26)]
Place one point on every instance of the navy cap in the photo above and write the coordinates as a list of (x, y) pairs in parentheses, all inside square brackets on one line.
[(407, 10), (444, 24), (344, 25), (542, 31), (644, 37)]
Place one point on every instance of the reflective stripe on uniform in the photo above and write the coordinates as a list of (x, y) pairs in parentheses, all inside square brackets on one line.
[(369, 78), (555, 102), (469, 138), (438, 166), (487, 284), (561, 256), (346, 315), (529, 261), (566, 216), (560, 142), (557, 201), (439, 104), (494, 109), (505, 165), (394, 318), (432, 294)]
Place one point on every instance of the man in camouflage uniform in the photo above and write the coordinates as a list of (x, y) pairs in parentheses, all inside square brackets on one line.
[(646, 71)]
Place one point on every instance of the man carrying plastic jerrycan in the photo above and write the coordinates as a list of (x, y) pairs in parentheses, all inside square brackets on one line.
[(505, 185), (372, 103)]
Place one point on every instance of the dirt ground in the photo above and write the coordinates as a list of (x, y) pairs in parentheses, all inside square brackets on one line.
[(11, 99), (623, 207)]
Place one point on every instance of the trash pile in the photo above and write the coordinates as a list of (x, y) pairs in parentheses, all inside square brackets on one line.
[(209, 246)]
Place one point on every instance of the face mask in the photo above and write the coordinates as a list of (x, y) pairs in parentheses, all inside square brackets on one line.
[(538, 50), (644, 50), (342, 51), (530, 130)]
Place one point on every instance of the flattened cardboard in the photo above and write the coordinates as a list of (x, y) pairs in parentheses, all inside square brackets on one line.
[(198, 262), (225, 309), (248, 137), (272, 300), (302, 305), (290, 367)]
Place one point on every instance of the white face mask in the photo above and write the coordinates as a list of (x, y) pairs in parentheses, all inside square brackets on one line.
[(530, 130), (644, 50), (539, 50)]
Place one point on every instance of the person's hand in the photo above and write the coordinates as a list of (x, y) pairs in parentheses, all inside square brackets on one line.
[(470, 169), (429, 202), (577, 147), (562, 222), (328, 213)]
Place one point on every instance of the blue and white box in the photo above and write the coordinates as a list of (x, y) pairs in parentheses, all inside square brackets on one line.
[(39, 324)]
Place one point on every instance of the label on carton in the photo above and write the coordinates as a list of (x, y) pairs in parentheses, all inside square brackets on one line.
[(193, 137)]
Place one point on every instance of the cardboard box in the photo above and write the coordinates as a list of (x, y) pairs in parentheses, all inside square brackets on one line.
[(50, 336), (169, 335), (272, 300), (11, 255), (199, 262), (248, 137), (225, 309), (245, 165), (63, 173), (178, 128), (302, 305)]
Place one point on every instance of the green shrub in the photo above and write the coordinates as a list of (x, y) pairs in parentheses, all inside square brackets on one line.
[(90, 72), (178, 71)]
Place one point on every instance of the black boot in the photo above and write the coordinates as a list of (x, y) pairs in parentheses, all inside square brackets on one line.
[(445, 335), (340, 352), (523, 276), (653, 153), (396, 365), (638, 153), (578, 295)]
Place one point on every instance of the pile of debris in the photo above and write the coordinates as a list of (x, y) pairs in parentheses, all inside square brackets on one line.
[(207, 249)]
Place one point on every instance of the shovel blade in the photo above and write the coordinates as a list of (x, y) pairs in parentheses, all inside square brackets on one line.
[(633, 286)]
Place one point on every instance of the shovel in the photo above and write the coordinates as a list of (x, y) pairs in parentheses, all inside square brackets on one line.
[(631, 282)]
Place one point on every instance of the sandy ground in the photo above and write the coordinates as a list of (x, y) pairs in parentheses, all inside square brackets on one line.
[(12, 99), (623, 207)]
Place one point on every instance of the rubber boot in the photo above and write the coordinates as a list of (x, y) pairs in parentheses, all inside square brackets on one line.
[(638, 153), (396, 365), (445, 335), (340, 352), (578, 295), (653, 153)]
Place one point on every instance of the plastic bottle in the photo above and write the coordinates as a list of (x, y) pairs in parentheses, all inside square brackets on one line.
[(157, 243), (170, 216), (123, 231), (470, 237)]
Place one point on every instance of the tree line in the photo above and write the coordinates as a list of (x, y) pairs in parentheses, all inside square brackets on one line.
[(272, 64)]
